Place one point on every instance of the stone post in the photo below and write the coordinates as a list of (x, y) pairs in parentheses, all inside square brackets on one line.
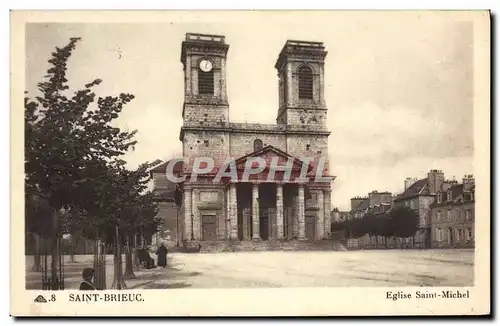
[(187, 213), (328, 214), (279, 211), (301, 214), (320, 221), (234, 212), (255, 212)]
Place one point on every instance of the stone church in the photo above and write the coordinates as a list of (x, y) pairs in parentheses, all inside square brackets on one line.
[(256, 210)]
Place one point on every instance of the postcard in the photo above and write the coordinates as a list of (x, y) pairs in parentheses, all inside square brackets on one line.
[(250, 163)]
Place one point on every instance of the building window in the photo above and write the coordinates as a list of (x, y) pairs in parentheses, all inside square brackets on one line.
[(449, 196), (449, 214), (457, 234), (438, 234), (438, 198), (439, 216), (305, 83), (206, 82), (469, 234), (467, 196), (414, 204), (257, 145), (206, 143), (468, 215)]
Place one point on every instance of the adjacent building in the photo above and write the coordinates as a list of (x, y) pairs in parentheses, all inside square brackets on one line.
[(453, 215), (445, 209)]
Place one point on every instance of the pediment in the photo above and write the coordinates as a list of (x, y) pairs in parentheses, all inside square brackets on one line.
[(271, 155)]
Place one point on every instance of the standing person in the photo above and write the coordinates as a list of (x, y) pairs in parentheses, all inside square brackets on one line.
[(162, 255), (88, 275)]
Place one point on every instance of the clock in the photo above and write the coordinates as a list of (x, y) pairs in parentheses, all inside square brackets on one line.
[(205, 65)]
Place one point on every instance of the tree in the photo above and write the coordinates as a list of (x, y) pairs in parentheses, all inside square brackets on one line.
[(38, 223), (67, 134), (404, 221), (384, 227)]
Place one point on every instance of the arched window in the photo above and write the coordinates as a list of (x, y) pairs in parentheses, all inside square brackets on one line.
[(305, 83), (257, 145), (206, 82)]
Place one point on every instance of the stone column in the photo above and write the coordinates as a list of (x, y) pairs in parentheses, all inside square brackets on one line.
[(255, 212), (187, 213), (188, 73), (279, 211), (301, 214), (228, 214), (295, 214), (289, 84), (320, 221), (196, 216), (328, 214), (245, 219), (234, 212)]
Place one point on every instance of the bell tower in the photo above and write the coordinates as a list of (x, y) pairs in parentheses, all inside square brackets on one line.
[(205, 99), (300, 67)]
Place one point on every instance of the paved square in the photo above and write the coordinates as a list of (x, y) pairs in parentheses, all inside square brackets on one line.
[(294, 269)]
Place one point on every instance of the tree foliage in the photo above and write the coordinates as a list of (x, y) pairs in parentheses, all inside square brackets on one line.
[(68, 133), (72, 163), (398, 222)]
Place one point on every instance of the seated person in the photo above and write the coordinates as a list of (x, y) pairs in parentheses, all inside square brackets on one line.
[(145, 259)]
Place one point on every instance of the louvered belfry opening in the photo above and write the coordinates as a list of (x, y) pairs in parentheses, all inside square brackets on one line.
[(305, 83), (206, 82)]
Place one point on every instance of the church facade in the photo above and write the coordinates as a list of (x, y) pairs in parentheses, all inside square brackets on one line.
[(258, 208)]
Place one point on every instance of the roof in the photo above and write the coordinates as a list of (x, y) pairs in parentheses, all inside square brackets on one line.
[(419, 188), (162, 166), (457, 191), (363, 205)]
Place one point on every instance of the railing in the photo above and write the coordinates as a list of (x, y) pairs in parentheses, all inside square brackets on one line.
[(204, 37)]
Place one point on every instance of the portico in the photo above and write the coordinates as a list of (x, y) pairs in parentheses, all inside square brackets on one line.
[(258, 208)]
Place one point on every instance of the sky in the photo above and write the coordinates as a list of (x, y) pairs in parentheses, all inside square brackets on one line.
[(398, 88)]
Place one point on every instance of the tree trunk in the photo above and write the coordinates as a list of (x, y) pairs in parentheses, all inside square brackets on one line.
[(129, 266), (118, 280), (72, 250), (376, 242), (137, 263), (100, 264), (37, 259), (55, 275), (413, 242)]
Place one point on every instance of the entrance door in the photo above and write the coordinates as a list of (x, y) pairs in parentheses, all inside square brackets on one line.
[(310, 227), (264, 224), (209, 228)]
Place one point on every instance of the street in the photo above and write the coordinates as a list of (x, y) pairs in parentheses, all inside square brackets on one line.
[(368, 268)]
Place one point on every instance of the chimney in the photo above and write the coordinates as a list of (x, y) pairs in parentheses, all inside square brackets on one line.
[(435, 180), (468, 182), (409, 181)]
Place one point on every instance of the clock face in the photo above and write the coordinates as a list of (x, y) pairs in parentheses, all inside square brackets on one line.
[(205, 65)]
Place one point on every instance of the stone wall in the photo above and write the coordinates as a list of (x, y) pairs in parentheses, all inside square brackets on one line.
[(214, 144), (424, 210), (242, 143), (171, 223)]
